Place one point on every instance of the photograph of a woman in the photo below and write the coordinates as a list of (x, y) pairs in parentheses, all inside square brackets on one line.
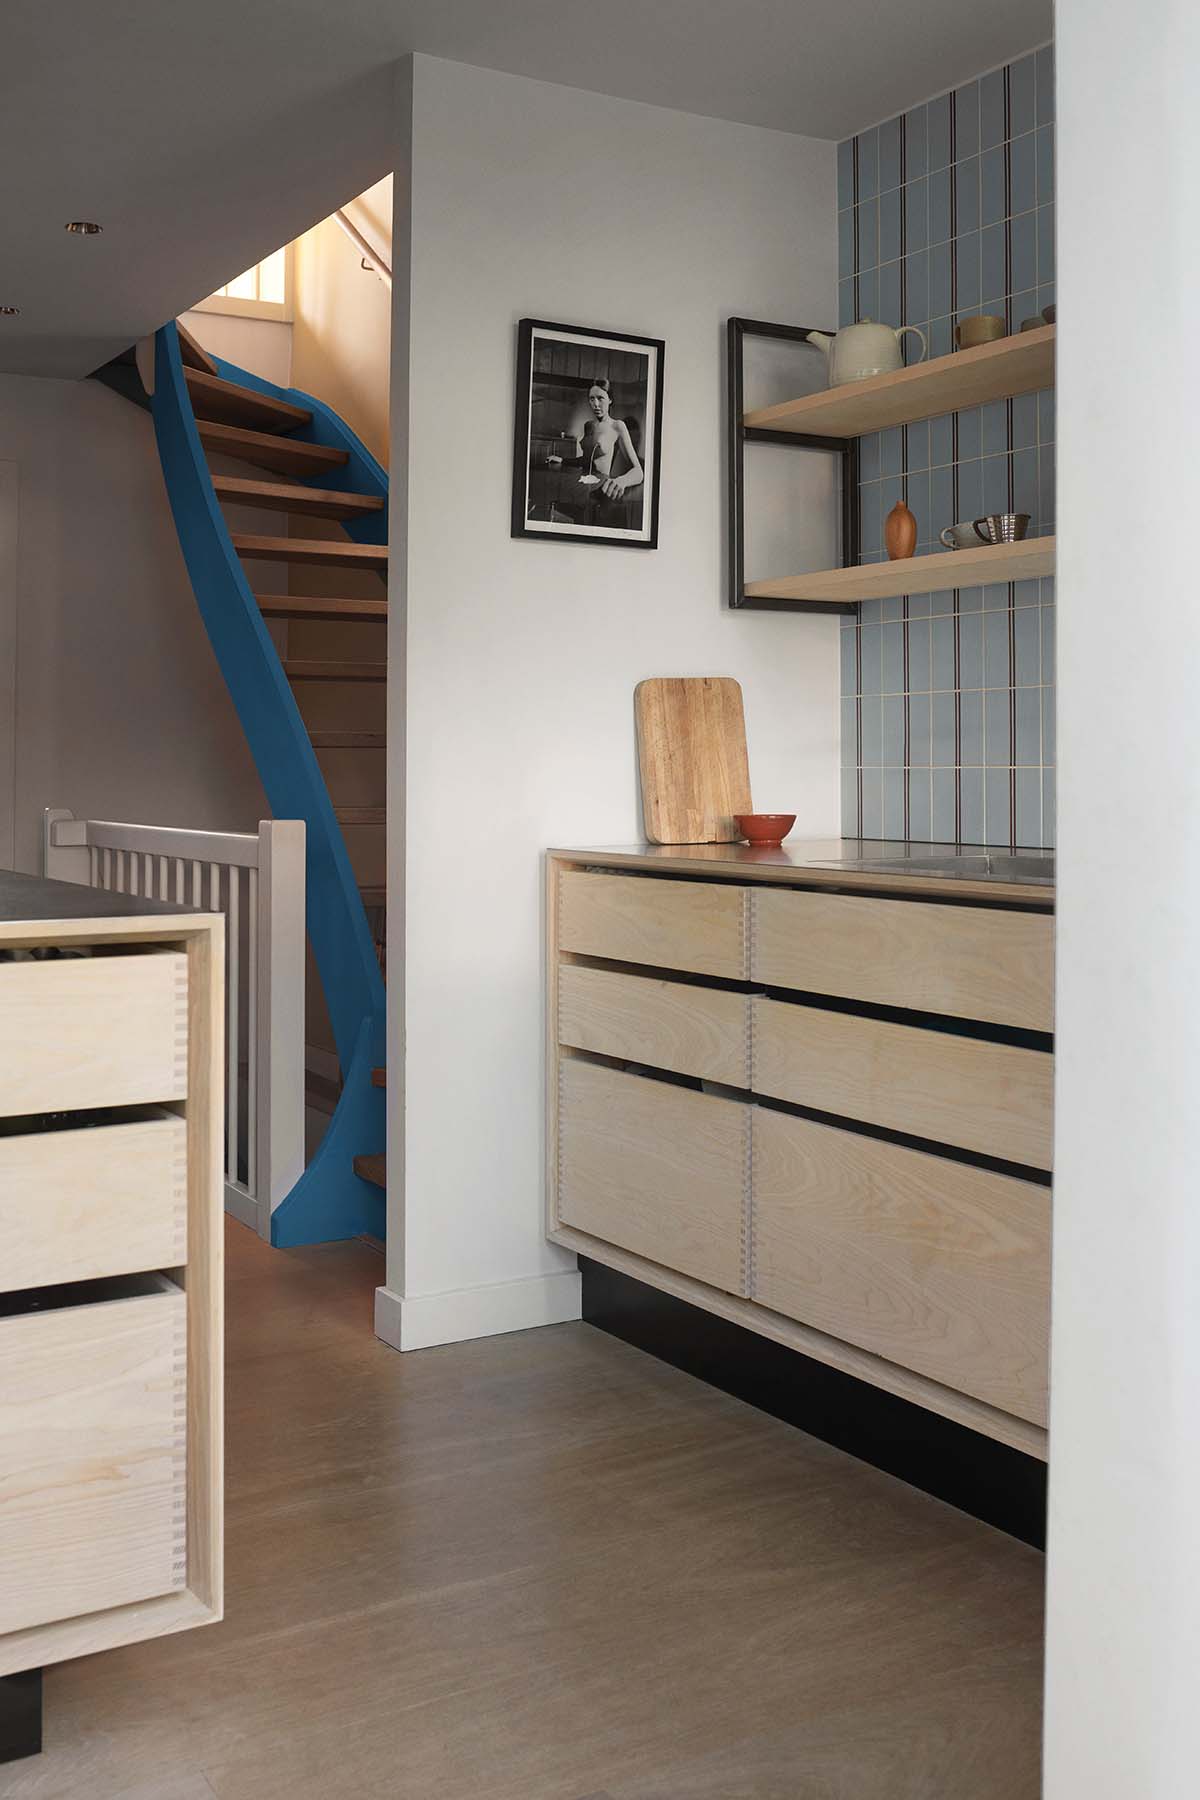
[(588, 422)]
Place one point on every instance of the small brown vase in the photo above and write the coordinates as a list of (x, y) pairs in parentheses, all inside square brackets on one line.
[(900, 532)]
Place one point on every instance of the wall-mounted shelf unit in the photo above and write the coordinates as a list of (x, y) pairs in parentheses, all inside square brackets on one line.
[(914, 575), (1013, 365), (833, 420)]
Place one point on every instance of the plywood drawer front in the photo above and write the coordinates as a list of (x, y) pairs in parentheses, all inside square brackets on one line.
[(694, 925), (991, 1098), (75, 1205), (92, 1031), (970, 962), (668, 1024), (660, 1170), (941, 1268), (92, 1456)]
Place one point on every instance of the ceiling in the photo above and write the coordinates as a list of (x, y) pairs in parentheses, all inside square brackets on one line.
[(203, 135)]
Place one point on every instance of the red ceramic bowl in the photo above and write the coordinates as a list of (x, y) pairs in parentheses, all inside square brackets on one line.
[(764, 828)]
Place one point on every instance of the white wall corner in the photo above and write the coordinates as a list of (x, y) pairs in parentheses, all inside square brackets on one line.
[(419, 1321)]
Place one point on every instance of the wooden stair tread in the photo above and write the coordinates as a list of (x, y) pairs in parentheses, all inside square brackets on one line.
[(335, 671), (315, 552), (317, 606), (373, 896), (193, 354), (291, 497), (361, 815), (348, 740), (230, 404), (268, 451), (379, 1078), (372, 1168)]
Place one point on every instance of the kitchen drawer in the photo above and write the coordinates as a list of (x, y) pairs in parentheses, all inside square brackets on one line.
[(695, 925), (969, 961), (941, 1268), (992, 1098), (669, 1024), (93, 1031), (92, 1450), (658, 1169), (106, 1200)]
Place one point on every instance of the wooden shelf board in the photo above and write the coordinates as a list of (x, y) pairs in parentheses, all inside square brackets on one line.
[(1020, 364), (915, 575)]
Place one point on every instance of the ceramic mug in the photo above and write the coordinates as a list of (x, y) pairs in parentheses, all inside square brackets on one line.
[(959, 537), (982, 328), (1002, 528)]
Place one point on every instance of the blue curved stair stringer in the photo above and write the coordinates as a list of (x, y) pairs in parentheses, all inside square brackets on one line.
[(330, 1200)]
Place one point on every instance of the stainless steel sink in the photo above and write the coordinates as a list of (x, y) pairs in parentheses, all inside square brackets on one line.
[(968, 866)]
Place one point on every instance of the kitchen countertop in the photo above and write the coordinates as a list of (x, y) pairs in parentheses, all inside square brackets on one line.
[(30, 899), (812, 862)]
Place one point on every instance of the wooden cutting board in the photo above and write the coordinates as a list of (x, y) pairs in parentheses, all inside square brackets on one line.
[(692, 750)]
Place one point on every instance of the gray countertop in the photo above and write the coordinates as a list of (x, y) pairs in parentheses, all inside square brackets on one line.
[(31, 899)]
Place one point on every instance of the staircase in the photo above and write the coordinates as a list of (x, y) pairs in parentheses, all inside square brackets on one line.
[(204, 407)]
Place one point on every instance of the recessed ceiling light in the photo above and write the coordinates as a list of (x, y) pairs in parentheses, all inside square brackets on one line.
[(9, 312), (84, 228)]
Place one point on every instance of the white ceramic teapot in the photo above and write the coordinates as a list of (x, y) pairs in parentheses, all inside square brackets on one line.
[(865, 349)]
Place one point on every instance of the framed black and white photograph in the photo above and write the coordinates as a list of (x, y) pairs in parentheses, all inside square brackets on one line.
[(588, 431)]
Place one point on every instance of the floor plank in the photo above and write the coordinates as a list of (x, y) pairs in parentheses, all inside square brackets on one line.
[(547, 1567)]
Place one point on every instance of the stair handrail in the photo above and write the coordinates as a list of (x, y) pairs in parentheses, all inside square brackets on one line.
[(370, 255)]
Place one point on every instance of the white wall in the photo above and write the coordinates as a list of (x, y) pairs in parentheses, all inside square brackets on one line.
[(1124, 1552), (342, 339), (532, 199), (263, 346), (120, 709)]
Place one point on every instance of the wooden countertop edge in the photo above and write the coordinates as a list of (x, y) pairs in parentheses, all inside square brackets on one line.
[(816, 875)]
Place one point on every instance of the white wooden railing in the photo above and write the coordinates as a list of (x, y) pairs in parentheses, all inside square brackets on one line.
[(257, 881)]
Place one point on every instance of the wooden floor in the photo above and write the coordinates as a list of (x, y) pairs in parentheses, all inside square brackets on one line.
[(544, 1567)]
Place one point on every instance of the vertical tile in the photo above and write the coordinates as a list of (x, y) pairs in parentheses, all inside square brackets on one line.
[(1029, 727), (1045, 244), (918, 501), (966, 267), (893, 659), (846, 241), (849, 659), (940, 438), (997, 662), (919, 655), (1022, 81), (995, 484), (971, 664), (970, 433), (892, 607), (1045, 85), (919, 805), (889, 293), (966, 120), (1025, 483), (846, 307), (992, 206), (938, 115), (938, 192), (1045, 506), (970, 600), (1048, 621), (889, 224), (868, 163), (867, 233), (1044, 160), (893, 732), (994, 428), (1022, 153), (850, 803), (972, 748), (845, 173), (868, 294), (872, 803), (995, 597), (971, 830), (941, 502), (993, 285), (967, 215), (893, 803), (872, 730), (941, 337), (942, 651), (870, 522), (916, 154), (849, 731), (919, 728), (916, 284), (918, 606), (1049, 726), (991, 109), (998, 807), (942, 745), (1045, 416), (891, 450), (916, 214), (871, 658), (969, 484), (996, 728), (1028, 833), (1048, 809), (943, 788), (890, 174), (916, 438), (868, 457), (1025, 420), (1023, 233), (939, 280)]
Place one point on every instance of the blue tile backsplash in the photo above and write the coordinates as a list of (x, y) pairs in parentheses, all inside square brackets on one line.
[(948, 698)]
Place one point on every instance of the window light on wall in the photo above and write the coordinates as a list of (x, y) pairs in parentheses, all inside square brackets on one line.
[(264, 292)]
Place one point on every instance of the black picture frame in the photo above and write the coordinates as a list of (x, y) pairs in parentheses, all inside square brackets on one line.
[(557, 367)]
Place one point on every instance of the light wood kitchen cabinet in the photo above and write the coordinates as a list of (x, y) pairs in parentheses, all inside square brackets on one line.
[(111, 1304), (865, 1180)]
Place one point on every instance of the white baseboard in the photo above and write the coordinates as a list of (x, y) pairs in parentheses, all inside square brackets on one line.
[(241, 1207), (419, 1321)]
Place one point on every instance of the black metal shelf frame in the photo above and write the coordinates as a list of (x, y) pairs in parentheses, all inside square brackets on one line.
[(740, 435)]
